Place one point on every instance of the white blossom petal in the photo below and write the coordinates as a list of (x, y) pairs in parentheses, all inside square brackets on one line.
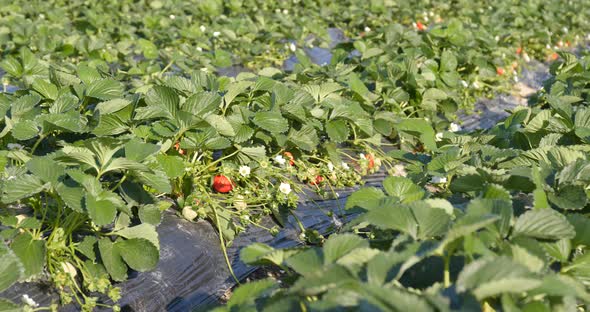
[(285, 188)]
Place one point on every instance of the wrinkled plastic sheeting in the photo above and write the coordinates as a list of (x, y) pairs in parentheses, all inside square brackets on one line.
[(192, 272)]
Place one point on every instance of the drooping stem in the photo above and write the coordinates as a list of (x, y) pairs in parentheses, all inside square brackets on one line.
[(223, 248)]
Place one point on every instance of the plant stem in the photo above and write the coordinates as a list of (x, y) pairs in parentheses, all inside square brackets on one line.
[(447, 273), (223, 248), (41, 137)]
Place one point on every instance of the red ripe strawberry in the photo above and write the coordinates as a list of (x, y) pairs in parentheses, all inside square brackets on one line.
[(177, 147), (318, 180), (371, 160), (222, 184), (500, 71), (554, 56), (519, 50), (290, 158), (420, 26), (568, 43)]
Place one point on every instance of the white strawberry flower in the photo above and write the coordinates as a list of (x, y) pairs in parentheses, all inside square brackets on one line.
[(548, 46), (29, 301), (292, 47), (279, 159), (475, 85), (399, 171), (69, 269), (244, 171), (216, 34), (203, 28), (285, 188), (172, 16), (331, 167), (565, 30), (438, 137), (367, 29), (464, 83), (240, 203), (199, 49), (438, 180), (286, 12), (362, 156), (454, 127), (345, 166), (497, 38), (526, 57)]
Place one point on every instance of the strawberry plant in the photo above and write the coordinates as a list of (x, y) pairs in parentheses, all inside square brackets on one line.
[(114, 111)]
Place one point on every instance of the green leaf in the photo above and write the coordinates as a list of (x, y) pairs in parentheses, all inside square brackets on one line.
[(262, 254), (150, 214), (448, 61), (466, 225), (392, 215), (403, 189), (25, 130), (148, 48), (86, 247), (72, 195), (272, 122), (140, 254), (31, 253), (491, 276), (138, 151), (337, 130), (45, 88), (579, 269), (431, 221), (221, 124), (421, 128), (112, 106), (105, 89), (393, 299), (202, 103), (23, 105), (367, 198), (11, 268), (172, 165), (543, 224), (101, 211), (112, 260), (249, 292), (21, 187), (338, 246), (581, 224), (144, 230), (306, 138), (46, 169), (569, 197), (306, 262), (163, 99)]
